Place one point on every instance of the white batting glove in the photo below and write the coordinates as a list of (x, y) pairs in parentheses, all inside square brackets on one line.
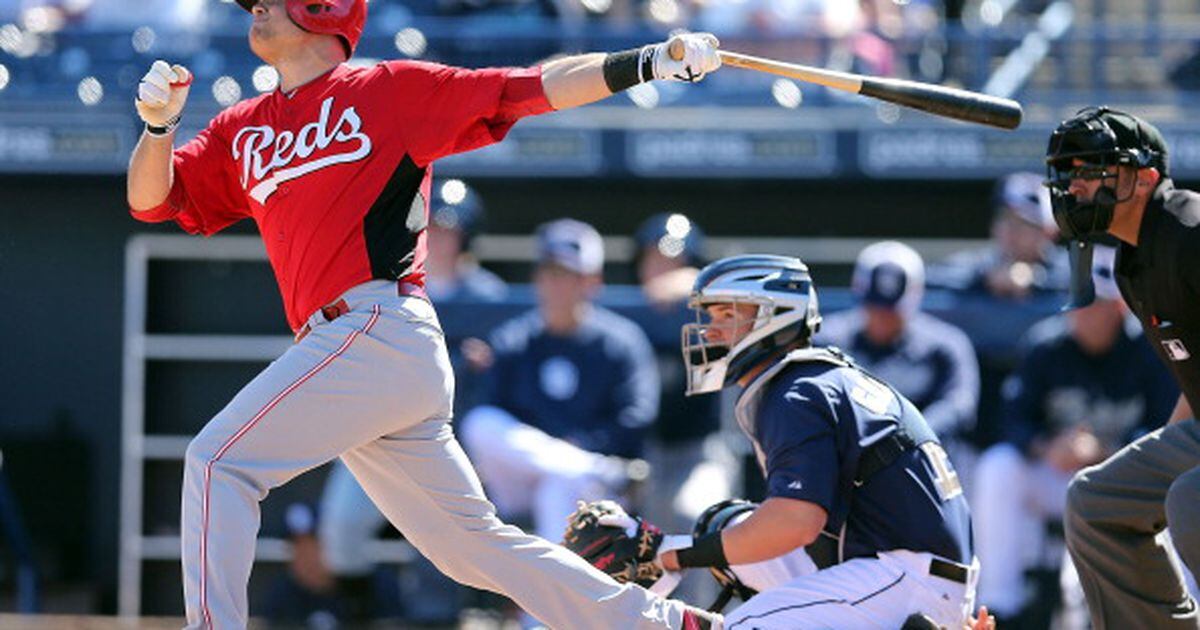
[(162, 94), (686, 57), (670, 579)]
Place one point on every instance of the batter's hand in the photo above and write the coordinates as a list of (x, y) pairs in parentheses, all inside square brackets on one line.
[(162, 94), (686, 57)]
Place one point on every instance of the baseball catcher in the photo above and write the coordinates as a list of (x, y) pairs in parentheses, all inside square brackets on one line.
[(864, 524)]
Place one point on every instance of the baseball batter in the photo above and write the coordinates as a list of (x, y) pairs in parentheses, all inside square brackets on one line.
[(334, 167)]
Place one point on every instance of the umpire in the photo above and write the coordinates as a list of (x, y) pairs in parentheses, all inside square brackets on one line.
[(1108, 173)]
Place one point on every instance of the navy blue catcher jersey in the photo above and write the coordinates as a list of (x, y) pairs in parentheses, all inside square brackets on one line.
[(812, 423), (596, 388), (932, 364)]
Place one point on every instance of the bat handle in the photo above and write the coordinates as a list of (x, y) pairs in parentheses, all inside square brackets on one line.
[(675, 48)]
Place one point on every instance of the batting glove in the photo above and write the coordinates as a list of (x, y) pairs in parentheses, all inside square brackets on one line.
[(686, 57), (161, 96)]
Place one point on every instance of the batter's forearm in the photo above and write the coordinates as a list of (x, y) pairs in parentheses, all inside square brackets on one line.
[(150, 172), (582, 79), (574, 81)]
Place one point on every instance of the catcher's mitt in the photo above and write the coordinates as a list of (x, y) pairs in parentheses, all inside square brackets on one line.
[(621, 545)]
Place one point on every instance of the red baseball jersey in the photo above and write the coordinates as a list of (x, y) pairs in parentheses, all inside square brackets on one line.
[(336, 173)]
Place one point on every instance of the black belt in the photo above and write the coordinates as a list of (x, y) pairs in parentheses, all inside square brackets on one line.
[(952, 571)]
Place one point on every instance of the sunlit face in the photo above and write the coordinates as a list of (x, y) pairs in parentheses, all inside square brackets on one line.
[(273, 33), (1096, 326), (729, 323), (654, 263), (883, 325), (1018, 239), (560, 290)]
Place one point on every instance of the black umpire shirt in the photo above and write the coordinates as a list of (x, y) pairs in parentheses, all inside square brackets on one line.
[(1160, 281)]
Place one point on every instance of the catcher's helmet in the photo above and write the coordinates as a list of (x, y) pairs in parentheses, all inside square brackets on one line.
[(781, 288), (673, 234), (343, 18), (1103, 139), (715, 518), (456, 206)]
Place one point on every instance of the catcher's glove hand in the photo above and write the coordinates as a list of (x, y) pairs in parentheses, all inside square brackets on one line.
[(621, 545)]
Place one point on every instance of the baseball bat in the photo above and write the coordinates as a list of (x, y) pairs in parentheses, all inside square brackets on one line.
[(936, 99)]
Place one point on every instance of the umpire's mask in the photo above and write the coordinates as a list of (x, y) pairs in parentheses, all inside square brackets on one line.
[(1092, 145)]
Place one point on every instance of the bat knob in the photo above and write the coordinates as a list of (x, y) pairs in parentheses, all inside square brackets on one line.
[(675, 48)]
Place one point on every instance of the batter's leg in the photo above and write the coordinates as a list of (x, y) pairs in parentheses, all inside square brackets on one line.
[(422, 481), (1114, 512), (333, 391)]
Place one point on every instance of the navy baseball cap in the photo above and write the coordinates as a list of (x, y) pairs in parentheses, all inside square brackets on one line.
[(572, 245), (1026, 196), (889, 274)]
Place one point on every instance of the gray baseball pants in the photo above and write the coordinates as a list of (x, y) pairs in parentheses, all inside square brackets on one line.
[(1116, 509), (375, 387)]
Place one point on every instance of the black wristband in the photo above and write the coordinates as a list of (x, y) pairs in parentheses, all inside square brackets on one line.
[(166, 129), (622, 70), (707, 551)]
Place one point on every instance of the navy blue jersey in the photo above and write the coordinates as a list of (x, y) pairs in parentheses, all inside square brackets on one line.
[(597, 388), (1119, 395), (932, 364), (810, 425)]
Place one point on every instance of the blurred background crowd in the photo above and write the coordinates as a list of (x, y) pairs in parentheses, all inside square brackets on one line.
[(559, 262)]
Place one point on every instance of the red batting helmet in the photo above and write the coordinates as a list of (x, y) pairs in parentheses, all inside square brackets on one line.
[(344, 18)]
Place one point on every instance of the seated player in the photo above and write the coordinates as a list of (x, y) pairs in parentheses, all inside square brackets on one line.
[(570, 392)]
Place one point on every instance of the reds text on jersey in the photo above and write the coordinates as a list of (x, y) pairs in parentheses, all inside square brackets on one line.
[(336, 173)]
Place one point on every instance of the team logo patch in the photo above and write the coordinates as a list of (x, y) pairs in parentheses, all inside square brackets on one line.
[(1176, 350)]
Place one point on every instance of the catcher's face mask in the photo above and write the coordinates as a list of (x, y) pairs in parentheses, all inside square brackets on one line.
[(709, 343), (748, 309)]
